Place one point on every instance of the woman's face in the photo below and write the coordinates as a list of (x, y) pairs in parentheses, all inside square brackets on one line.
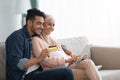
[(49, 26)]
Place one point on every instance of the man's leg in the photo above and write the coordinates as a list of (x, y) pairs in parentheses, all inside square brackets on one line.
[(59, 73)]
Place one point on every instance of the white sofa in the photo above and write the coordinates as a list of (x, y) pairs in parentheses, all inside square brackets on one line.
[(108, 57)]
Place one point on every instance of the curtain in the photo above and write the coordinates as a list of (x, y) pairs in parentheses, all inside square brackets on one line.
[(34, 3)]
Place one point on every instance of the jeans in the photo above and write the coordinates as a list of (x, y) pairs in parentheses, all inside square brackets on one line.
[(59, 73)]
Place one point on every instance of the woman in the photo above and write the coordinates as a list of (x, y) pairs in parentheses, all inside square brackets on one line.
[(83, 70)]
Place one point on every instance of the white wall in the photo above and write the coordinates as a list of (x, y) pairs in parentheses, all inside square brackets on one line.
[(98, 20), (9, 20)]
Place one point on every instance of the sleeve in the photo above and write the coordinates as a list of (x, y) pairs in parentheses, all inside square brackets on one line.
[(14, 51), (22, 63), (64, 47), (38, 45)]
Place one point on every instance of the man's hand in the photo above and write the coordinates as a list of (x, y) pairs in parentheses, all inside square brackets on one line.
[(44, 54), (36, 60)]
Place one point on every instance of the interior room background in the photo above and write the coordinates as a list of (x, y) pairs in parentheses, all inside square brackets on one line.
[(98, 20)]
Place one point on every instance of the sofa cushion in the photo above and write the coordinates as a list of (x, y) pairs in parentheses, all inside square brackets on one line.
[(76, 44), (110, 74), (108, 57)]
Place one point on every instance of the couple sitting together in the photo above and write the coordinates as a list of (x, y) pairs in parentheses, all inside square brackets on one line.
[(48, 67), (81, 70)]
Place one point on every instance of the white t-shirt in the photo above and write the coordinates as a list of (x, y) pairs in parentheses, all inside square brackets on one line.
[(59, 54)]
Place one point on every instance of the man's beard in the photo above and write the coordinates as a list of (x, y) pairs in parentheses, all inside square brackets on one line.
[(35, 34)]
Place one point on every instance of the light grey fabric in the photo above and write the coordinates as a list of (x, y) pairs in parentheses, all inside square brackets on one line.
[(76, 44), (2, 61), (22, 62), (110, 74), (108, 57)]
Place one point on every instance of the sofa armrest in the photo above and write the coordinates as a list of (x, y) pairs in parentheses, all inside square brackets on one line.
[(108, 57), (2, 61)]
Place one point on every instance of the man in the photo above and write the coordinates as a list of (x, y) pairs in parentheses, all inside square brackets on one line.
[(18, 53)]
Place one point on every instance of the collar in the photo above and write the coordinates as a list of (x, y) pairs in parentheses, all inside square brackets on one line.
[(27, 33)]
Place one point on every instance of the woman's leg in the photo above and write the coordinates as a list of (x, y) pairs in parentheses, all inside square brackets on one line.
[(60, 73), (79, 74), (89, 68)]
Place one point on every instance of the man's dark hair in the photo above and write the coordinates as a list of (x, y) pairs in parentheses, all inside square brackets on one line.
[(31, 13)]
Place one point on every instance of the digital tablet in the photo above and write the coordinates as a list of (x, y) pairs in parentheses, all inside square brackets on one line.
[(79, 59)]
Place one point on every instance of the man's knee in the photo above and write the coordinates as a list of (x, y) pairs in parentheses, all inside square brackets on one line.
[(67, 71)]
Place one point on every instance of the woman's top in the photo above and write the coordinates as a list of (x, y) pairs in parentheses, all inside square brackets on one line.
[(55, 59)]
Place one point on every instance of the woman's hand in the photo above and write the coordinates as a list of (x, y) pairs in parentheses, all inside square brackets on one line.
[(72, 59), (68, 52)]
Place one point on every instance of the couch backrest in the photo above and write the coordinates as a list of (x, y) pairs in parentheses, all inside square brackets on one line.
[(2, 60), (77, 45), (108, 57)]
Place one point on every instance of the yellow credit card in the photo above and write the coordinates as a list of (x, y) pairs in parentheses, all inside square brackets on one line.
[(53, 48)]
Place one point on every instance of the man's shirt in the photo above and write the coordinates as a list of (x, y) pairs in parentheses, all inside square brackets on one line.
[(18, 50)]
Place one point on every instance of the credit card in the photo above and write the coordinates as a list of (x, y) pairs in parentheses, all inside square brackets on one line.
[(52, 48)]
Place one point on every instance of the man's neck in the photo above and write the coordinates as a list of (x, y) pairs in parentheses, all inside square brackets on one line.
[(29, 31)]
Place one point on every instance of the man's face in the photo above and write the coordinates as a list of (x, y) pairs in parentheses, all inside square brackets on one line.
[(36, 26)]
